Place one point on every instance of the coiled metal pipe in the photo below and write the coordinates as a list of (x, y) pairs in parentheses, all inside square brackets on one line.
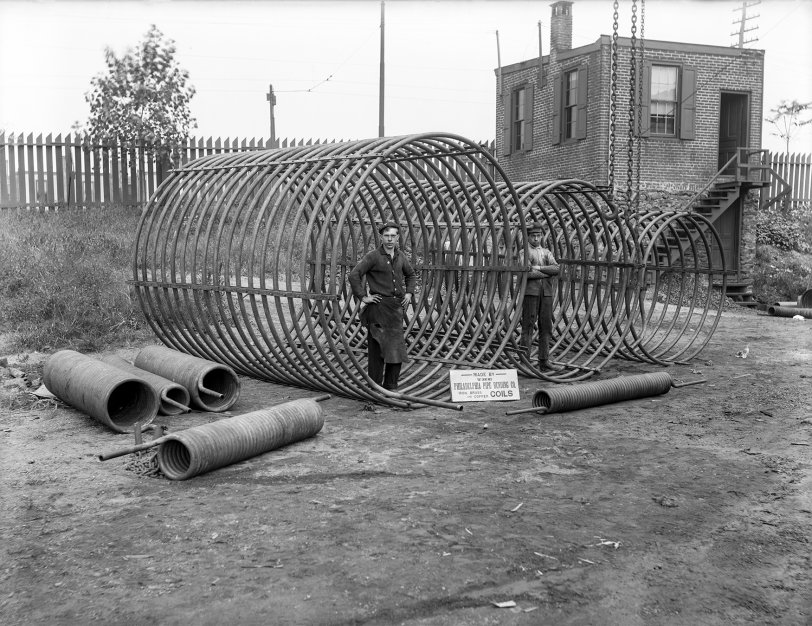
[(174, 398), (242, 259), (211, 386), (785, 311), (597, 393), (203, 448), (108, 394)]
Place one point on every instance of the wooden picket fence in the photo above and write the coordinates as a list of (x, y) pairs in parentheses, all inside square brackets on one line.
[(796, 169), (54, 172)]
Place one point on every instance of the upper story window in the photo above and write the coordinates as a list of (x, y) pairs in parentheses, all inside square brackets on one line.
[(517, 131), (570, 104), (669, 101), (664, 100), (518, 113)]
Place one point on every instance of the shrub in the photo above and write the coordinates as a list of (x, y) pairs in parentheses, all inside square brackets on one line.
[(785, 228), (781, 275), (63, 279)]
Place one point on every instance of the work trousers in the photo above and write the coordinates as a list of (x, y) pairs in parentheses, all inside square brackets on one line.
[(537, 308), (380, 372)]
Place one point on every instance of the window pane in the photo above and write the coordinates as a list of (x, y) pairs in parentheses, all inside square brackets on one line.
[(663, 120)]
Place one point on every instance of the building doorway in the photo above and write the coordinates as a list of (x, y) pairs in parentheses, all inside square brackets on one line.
[(734, 115)]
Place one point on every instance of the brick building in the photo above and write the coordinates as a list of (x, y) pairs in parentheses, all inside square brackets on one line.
[(699, 104)]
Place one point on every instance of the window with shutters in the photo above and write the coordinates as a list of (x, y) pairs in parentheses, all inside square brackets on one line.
[(664, 100), (517, 113), (518, 125), (570, 104), (669, 101)]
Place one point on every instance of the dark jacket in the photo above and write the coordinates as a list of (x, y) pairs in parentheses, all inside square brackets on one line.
[(386, 277)]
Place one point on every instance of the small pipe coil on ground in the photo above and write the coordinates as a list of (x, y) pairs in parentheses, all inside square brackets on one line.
[(108, 394), (211, 386), (785, 311), (243, 259), (203, 448), (596, 393), (173, 398)]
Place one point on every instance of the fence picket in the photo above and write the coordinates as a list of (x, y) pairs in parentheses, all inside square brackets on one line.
[(66, 172), (4, 199)]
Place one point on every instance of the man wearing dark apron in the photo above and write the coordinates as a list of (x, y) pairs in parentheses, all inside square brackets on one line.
[(389, 290)]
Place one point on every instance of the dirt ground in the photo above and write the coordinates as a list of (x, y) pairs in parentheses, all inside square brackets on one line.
[(694, 507)]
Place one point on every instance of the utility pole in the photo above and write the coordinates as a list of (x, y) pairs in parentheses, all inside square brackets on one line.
[(541, 68), (499, 68), (742, 22), (381, 78), (270, 97)]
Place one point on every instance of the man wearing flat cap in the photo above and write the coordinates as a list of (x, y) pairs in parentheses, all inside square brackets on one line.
[(538, 296), (389, 290)]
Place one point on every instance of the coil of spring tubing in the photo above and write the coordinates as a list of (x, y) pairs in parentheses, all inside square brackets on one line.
[(242, 259)]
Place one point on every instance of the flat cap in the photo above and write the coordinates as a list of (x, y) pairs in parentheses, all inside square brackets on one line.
[(535, 227), (390, 224)]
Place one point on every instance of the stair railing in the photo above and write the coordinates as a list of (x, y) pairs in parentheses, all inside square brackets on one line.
[(695, 197)]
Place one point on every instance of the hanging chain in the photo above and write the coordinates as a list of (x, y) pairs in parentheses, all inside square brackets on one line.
[(613, 104), (632, 98), (639, 142)]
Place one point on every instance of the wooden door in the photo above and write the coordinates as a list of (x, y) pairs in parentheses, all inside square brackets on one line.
[(733, 119)]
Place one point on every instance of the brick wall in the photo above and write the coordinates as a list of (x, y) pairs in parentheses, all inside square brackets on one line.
[(667, 163)]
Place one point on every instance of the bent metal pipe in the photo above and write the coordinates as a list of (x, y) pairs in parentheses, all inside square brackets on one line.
[(243, 259)]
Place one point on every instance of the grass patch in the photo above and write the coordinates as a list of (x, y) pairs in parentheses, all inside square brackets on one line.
[(63, 279)]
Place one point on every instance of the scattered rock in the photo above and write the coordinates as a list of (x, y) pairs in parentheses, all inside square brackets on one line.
[(666, 501)]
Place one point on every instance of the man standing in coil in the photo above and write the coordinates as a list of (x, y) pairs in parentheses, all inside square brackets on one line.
[(538, 296), (390, 283)]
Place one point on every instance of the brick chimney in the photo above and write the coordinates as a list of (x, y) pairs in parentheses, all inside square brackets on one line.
[(561, 26)]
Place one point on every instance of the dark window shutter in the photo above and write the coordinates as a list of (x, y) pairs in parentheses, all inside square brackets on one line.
[(506, 126), (583, 91), (645, 111), (687, 113), (556, 129), (528, 117)]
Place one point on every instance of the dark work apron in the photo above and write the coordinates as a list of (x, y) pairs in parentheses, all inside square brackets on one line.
[(385, 323)]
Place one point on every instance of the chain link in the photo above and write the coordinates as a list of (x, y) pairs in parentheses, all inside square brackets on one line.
[(632, 97), (613, 103), (640, 96)]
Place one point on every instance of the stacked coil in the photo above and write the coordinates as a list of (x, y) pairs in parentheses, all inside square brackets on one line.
[(243, 259)]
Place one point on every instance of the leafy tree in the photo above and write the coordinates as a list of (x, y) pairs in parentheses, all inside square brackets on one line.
[(142, 98), (787, 118)]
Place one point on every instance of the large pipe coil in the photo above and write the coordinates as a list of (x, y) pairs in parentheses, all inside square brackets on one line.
[(106, 393), (204, 448), (173, 398), (243, 259), (211, 386)]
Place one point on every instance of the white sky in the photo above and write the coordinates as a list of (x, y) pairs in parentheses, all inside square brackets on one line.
[(440, 58)]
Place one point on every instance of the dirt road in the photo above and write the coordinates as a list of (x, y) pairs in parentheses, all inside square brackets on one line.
[(694, 507)]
